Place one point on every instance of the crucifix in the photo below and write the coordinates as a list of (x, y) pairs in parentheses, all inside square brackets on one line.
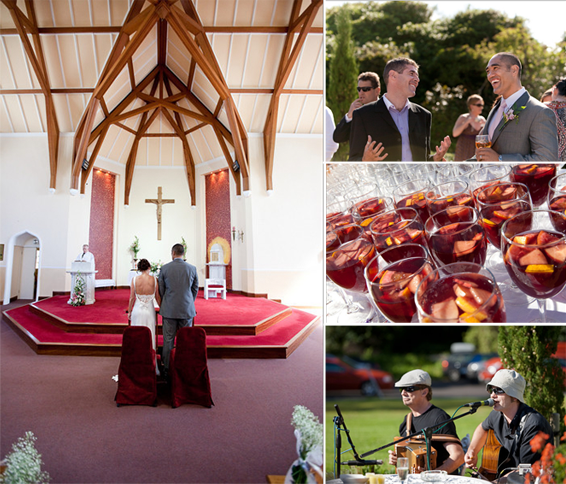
[(159, 202)]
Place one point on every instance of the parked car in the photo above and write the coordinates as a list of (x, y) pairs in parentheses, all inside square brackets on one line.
[(454, 366), (477, 365), (343, 376)]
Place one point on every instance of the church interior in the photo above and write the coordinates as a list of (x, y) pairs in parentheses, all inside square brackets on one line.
[(162, 122)]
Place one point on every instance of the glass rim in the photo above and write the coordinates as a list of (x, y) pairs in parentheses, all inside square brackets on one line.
[(418, 190), (355, 207), (487, 167), (526, 193), (427, 258), (555, 178), (494, 287), (468, 223), (562, 239), (396, 211), (444, 197)]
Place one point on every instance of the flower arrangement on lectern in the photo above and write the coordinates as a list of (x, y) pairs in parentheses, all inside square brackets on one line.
[(308, 431), (155, 268), (23, 464), (78, 297), (135, 247)]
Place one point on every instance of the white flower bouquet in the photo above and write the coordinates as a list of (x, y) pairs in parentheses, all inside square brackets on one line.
[(308, 431), (23, 464)]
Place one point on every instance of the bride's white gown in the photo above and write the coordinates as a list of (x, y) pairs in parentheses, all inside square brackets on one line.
[(143, 313)]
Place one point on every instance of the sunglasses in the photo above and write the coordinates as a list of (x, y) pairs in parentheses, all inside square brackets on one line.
[(365, 89), (411, 389), (497, 391), (481, 105)]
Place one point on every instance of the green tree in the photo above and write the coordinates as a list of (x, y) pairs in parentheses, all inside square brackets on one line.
[(343, 74), (528, 350), (483, 337)]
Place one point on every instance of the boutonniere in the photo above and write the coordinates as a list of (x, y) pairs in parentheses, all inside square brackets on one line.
[(512, 114)]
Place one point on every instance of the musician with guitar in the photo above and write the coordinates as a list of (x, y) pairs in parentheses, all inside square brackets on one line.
[(510, 427), (416, 392)]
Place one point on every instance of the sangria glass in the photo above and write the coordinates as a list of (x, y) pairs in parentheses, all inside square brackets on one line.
[(338, 214), (456, 236), (533, 244), (392, 278), (537, 178), (557, 193), (366, 211), (345, 264), (462, 292), (413, 194), (487, 175), (450, 193), (397, 227)]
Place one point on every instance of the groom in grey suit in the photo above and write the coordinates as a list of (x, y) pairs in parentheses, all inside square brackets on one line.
[(178, 287), (520, 127)]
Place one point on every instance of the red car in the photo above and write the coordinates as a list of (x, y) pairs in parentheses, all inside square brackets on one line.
[(343, 376), (494, 365)]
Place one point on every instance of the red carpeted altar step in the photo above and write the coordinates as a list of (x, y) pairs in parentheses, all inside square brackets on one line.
[(236, 315), (44, 329)]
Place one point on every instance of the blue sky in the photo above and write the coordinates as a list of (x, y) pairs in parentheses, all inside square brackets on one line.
[(545, 19)]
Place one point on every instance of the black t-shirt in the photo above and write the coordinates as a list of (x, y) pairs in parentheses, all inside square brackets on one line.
[(517, 441), (432, 416)]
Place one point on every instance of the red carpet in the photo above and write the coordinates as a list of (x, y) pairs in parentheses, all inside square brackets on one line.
[(238, 327)]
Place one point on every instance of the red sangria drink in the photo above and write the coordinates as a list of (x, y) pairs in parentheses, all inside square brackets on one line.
[(534, 252), (392, 279), (454, 193), (460, 293), (413, 194), (341, 235), (365, 212), (486, 176), (461, 241), (498, 203), (557, 193), (338, 214), (397, 227), (537, 178)]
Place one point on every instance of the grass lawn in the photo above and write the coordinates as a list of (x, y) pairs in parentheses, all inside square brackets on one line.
[(373, 423)]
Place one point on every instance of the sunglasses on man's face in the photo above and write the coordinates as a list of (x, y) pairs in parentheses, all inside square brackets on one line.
[(478, 104), (497, 391), (365, 88), (411, 389)]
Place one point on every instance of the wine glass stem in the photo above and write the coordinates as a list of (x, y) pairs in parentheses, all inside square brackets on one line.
[(542, 309)]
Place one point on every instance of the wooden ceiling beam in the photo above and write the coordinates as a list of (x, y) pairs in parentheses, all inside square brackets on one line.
[(291, 50), (83, 144), (238, 143), (229, 160), (36, 58), (91, 161)]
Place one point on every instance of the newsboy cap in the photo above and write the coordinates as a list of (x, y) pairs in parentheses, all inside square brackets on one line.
[(414, 377)]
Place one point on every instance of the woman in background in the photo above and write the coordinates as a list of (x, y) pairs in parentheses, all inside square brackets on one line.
[(558, 105), (467, 126)]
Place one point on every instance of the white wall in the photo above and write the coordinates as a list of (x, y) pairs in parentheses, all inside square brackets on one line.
[(282, 250)]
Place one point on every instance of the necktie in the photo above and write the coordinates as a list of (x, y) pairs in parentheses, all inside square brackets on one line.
[(497, 118)]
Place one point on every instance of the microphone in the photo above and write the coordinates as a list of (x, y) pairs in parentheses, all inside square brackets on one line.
[(362, 462), (489, 403)]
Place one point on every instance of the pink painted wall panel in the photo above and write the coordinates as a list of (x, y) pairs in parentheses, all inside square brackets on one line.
[(218, 222), (101, 234)]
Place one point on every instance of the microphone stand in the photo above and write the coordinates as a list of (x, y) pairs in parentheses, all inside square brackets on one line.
[(428, 431), (339, 421)]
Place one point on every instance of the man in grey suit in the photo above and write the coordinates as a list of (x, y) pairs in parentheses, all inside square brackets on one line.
[(178, 287), (520, 128)]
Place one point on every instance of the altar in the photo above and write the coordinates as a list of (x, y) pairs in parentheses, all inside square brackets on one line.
[(85, 271)]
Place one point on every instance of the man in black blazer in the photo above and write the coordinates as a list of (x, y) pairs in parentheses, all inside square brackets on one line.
[(401, 128), (178, 287), (368, 91)]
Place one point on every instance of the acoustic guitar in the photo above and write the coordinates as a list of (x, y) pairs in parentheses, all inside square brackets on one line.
[(494, 458)]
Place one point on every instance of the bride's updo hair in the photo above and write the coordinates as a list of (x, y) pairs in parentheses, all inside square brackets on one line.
[(143, 265)]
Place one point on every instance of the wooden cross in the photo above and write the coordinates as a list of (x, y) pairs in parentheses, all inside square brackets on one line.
[(159, 202)]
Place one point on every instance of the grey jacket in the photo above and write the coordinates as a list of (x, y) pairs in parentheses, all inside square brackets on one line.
[(178, 287), (531, 136)]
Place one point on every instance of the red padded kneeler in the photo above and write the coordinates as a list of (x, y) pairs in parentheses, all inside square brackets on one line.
[(188, 368), (137, 383)]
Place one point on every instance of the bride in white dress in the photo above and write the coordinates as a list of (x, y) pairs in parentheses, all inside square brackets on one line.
[(143, 291)]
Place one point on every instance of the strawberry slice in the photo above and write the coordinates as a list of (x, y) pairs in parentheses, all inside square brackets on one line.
[(445, 310), (534, 257)]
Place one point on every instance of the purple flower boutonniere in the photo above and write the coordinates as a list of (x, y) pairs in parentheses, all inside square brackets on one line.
[(512, 114)]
